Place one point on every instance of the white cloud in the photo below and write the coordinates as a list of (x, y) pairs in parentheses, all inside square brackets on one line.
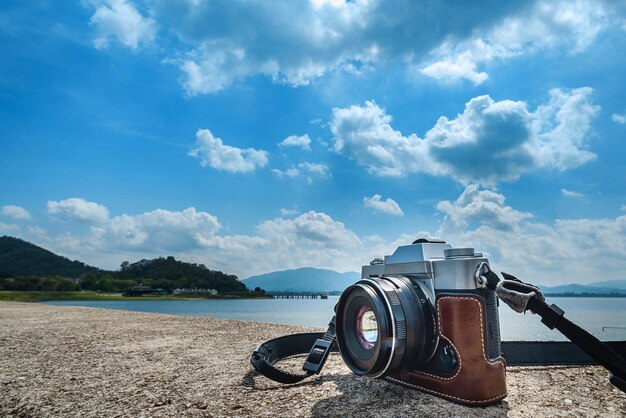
[(288, 212), (290, 172), (217, 69), (120, 20), (159, 230), (571, 193), (306, 168), (212, 152), (309, 239), (451, 70), (568, 25), (388, 206), (364, 134), (9, 229), (15, 212), (562, 126), (301, 40), (488, 143), (478, 207), (310, 228), (79, 210), (303, 142), (566, 251), (319, 169), (621, 119), (222, 42)]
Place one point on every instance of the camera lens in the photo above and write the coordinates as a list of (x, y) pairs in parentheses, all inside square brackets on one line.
[(385, 325), (366, 327)]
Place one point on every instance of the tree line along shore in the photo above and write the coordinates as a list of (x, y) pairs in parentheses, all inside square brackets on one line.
[(32, 273)]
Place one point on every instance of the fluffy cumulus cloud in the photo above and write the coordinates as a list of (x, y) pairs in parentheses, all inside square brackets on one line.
[(565, 251), (491, 141), (478, 207), (15, 212), (212, 152), (562, 126), (221, 42), (364, 134), (303, 142), (309, 229), (157, 230), (388, 206), (77, 209), (568, 25), (119, 20), (309, 239), (297, 41)]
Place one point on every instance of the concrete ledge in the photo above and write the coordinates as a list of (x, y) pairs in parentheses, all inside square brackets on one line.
[(69, 361)]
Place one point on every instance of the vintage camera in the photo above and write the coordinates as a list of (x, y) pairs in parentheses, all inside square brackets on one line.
[(423, 318)]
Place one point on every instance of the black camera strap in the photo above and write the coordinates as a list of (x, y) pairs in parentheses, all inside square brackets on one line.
[(516, 353), (318, 345), (522, 296)]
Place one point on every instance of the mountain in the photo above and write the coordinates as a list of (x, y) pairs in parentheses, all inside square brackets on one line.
[(615, 284), (310, 279), (21, 258), (607, 287), (305, 279)]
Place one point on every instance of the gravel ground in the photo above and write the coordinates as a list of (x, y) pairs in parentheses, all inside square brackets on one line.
[(72, 361)]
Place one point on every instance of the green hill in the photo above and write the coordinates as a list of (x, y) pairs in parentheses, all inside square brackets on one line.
[(25, 266), (20, 258), (169, 273)]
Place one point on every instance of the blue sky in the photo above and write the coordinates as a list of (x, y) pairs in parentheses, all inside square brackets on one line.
[(255, 136)]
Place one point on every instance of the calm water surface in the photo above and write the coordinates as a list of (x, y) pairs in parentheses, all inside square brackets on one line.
[(591, 313)]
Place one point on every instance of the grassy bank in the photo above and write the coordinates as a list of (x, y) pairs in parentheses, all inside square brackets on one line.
[(45, 296)]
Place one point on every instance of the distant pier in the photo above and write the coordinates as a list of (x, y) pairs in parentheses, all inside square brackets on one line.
[(304, 295)]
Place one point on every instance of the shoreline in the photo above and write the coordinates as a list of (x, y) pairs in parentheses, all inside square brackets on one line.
[(60, 361), (47, 296), (43, 296)]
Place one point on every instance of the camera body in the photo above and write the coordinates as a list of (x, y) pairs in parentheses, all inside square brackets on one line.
[(423, 318)]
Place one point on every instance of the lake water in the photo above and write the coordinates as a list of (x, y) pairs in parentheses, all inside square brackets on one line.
[(591, 313)]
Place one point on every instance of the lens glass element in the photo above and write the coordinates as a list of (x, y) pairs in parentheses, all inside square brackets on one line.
[(366, 327)]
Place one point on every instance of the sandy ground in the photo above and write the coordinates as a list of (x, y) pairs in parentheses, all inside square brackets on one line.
[(71, 361)]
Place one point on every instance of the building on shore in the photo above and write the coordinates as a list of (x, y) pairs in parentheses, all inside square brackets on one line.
[(195, 291), (141, 290)]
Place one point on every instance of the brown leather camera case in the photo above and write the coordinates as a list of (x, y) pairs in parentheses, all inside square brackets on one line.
[(478, 380)]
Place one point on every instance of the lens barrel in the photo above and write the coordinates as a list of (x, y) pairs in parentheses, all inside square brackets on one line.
[(385, 325)]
